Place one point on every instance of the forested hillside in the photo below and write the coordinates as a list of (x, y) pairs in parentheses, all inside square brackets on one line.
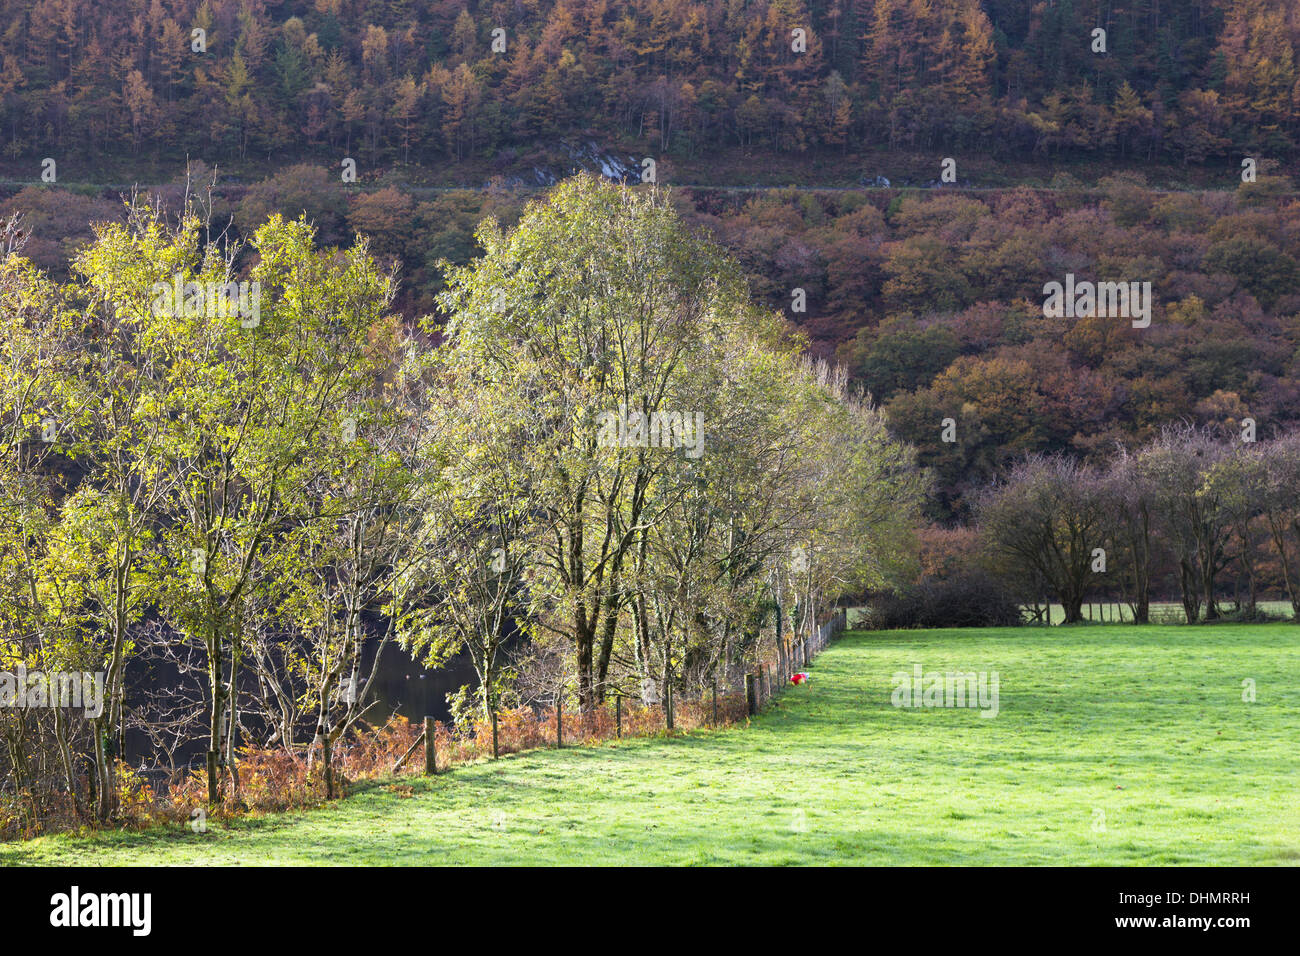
[(1133, 139), (419, 81), (933, 300)]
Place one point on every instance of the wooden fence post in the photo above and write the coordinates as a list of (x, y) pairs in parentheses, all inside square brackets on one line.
[(668, 711), (751, 705), (715, 703), (496, 751), (430, 748), (559, 724), (618, 716)]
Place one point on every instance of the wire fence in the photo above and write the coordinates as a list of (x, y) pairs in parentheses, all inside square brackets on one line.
[(531, 728), (1159, 612), (741, 692)]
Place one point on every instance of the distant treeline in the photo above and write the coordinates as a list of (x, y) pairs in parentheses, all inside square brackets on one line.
[(1206, 516), (1203, 509)]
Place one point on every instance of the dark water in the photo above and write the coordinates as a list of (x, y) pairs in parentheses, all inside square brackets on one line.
[(402, 686), (405, 687)]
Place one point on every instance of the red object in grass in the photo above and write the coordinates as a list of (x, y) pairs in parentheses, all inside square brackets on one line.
[(799, 678)]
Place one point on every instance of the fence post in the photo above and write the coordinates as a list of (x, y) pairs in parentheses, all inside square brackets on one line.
[(496, 751), (668, 710), (430, 748), (750, 702), (715, 702), (559, 725), (618, 716)]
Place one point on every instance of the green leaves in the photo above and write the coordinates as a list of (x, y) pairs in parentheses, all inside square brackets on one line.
[(601, 303)]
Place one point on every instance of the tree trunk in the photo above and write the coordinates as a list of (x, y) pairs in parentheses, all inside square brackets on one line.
[(1187, 581), (1072, 605), (1140, 552), (586, 690), (216, 704), (1279, 542), (327, 758), (606, 643), (232, 728), (1209, 560), (103, 773), (1252, 585), (65, 756)]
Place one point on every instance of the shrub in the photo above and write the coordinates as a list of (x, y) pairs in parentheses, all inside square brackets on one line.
[(967, 599), (1248, 615)]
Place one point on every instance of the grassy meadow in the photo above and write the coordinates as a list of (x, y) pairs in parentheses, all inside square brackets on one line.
[(1113, 745)]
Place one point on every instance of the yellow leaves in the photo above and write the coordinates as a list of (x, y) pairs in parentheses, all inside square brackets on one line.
[(1188, 311)]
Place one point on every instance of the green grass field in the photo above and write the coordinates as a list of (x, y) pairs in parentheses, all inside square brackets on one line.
[(1113, 745)]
